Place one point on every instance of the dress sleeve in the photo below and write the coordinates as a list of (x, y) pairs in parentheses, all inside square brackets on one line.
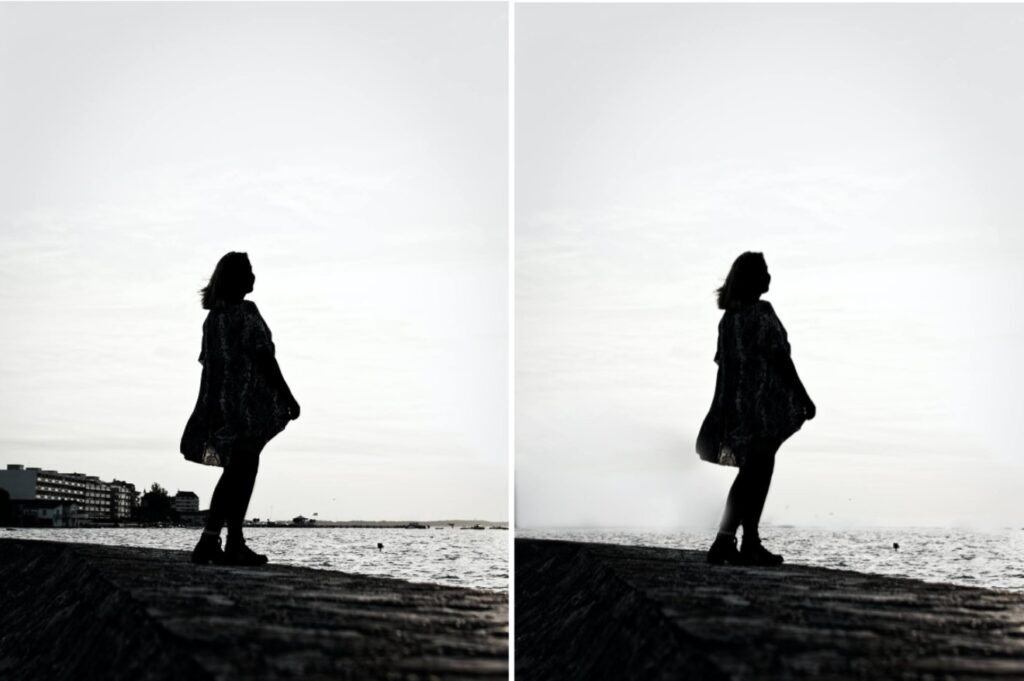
[(772, 334), (215, 357), (256, 334)]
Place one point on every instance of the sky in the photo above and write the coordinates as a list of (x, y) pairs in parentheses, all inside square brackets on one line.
[(872, 152), (357, 152)]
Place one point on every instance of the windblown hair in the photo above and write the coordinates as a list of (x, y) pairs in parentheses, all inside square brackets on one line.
[(229, 282), (747, 280)]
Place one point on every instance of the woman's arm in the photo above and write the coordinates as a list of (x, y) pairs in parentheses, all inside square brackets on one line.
[(789, 371), (268, 363), (777, 344)]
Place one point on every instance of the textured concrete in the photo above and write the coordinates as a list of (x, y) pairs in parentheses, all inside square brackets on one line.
[(80, 611), (600, 611)]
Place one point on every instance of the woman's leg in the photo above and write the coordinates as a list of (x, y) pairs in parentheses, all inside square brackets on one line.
[(246, 466), (723, 550), (761, 468), (208, 548), (228, 505), (734, 503), (220, 502), (760, 471), (743, 507), (230, 499)]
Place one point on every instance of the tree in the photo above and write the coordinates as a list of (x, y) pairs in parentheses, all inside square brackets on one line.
[(156, 506)]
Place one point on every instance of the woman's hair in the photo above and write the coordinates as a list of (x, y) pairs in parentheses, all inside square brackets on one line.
[(229, 282), (747, 280)]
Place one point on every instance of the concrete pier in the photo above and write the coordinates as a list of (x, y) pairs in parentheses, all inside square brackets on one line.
[(602, 611), (82, 612)]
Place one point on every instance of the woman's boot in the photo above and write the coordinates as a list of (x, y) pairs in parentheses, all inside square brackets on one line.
[(752, 553), (237, 553), (724, 550), (208, 550)]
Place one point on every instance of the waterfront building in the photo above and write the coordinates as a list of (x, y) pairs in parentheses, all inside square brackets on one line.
[(186, 502), (94, 498), (124, 499), (44, 513)]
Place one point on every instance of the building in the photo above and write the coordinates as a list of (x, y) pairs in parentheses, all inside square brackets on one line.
[(96, 500), (44, 513), (124, 499), (186, 502)]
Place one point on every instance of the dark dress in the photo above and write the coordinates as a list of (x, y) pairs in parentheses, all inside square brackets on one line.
[(755, 402), (238, 409)]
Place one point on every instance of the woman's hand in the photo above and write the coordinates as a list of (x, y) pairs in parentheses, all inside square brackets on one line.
[(293, 408)]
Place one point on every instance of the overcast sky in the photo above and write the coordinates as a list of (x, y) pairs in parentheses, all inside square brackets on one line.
[(873, 153), (357, 152)]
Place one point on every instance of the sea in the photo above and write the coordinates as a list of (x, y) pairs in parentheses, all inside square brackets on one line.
[(982, 558), (475, 559)]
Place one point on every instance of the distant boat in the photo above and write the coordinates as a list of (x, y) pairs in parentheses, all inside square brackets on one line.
[(475, 527), (415, 526)]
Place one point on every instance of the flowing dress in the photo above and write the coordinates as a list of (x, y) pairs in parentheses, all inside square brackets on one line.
[(755, 400), (238, 409)]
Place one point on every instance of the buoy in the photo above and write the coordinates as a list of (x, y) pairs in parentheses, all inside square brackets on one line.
[(380, 547), (895, 546)]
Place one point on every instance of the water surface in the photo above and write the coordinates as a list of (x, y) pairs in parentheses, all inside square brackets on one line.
[(993, 559), (453, 557)]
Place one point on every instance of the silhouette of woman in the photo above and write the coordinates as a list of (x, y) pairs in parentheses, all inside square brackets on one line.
[(243, 403), (759, 402)]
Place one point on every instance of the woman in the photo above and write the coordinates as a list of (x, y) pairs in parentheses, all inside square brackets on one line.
[(243, 403), (759, 402)]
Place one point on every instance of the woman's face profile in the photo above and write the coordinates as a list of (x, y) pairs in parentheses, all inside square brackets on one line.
[(766, 278)]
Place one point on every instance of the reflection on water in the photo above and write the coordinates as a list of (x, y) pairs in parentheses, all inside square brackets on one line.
[(468, 558), (993, 559)]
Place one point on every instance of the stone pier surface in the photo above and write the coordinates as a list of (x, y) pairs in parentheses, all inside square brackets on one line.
[(82, 612), (603, 611)]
